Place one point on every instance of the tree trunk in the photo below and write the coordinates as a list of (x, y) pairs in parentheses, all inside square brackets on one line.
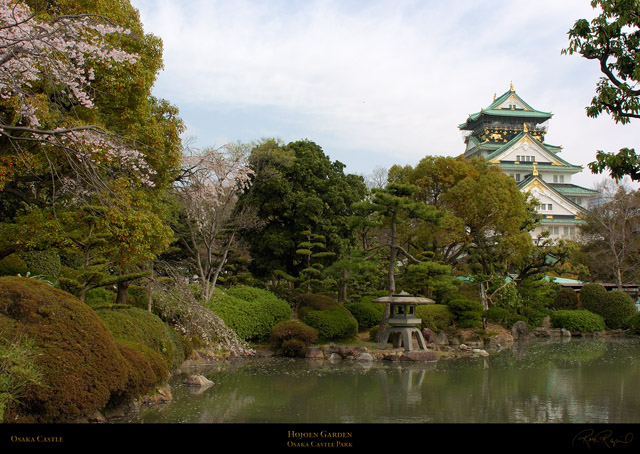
[(123, 290), (391, 276), (342, 288)]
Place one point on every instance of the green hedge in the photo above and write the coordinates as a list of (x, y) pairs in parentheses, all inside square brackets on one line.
[(436, 317), (579, 320), (251, 319)]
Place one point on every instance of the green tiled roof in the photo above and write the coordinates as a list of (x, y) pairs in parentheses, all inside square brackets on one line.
[(572, 189), (493, 110)]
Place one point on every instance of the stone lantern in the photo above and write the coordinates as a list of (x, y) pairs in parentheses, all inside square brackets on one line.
[(402, 322)]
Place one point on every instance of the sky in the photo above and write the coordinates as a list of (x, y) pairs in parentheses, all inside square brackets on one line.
[(375, 83)]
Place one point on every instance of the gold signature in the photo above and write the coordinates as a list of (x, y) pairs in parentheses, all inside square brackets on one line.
[(589, 437)]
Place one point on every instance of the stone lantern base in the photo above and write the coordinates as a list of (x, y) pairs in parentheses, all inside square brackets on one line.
[(401, 335)]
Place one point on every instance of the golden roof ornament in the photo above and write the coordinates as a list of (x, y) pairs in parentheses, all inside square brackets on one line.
[(525, 129), (535, 171), (511, 87), (494, 96)]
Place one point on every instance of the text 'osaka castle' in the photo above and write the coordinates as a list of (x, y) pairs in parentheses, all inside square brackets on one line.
[(510, 134)]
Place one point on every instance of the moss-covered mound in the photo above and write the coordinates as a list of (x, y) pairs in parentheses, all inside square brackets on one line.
[(79, 361), (135, 326)]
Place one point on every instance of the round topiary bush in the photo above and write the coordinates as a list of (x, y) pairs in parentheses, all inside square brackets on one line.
[(367, 314), (579, 320), (566, 298), (467, 313), (333, 324), (617, 310), (292, 338), (592, 296), (331, 319), (436, 317), (78, 360)]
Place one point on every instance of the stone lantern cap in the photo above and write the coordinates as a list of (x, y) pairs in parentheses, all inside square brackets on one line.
[(403, 298)]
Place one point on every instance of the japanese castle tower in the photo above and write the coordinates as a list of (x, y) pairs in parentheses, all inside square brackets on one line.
[(510, 134)]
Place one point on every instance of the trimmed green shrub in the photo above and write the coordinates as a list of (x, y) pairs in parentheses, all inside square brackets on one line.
[(634, 323), (332, 324), (251, 319), (467, 313), (436, 317), (592, 296), (292, 338), (367, 314), (566, 298), (312, 302), (615, 306), (497, 314), (12, 265), (617, 310), (579, 320), (331, 319), (79, 361), (98, 297), (277, 308), (43, 263)]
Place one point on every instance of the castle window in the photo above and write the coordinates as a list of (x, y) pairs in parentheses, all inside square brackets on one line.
[(517, 177), (550, 207)]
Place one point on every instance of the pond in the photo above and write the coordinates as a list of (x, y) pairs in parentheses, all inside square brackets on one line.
[(576, 381)]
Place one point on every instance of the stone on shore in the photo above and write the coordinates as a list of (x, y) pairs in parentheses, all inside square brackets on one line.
[(197, 380)]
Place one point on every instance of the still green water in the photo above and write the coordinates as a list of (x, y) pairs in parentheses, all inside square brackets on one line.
[(577, 381)]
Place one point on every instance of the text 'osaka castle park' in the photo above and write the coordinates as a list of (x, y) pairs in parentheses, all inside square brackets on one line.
[(510, 134)]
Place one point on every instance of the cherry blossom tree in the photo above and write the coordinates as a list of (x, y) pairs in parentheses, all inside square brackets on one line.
[(211, 218), (46, 70)]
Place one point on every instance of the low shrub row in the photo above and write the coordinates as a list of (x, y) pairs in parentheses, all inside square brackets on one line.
[(577, 320)]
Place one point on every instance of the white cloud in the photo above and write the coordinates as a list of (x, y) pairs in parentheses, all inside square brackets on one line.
[(374, 83)]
